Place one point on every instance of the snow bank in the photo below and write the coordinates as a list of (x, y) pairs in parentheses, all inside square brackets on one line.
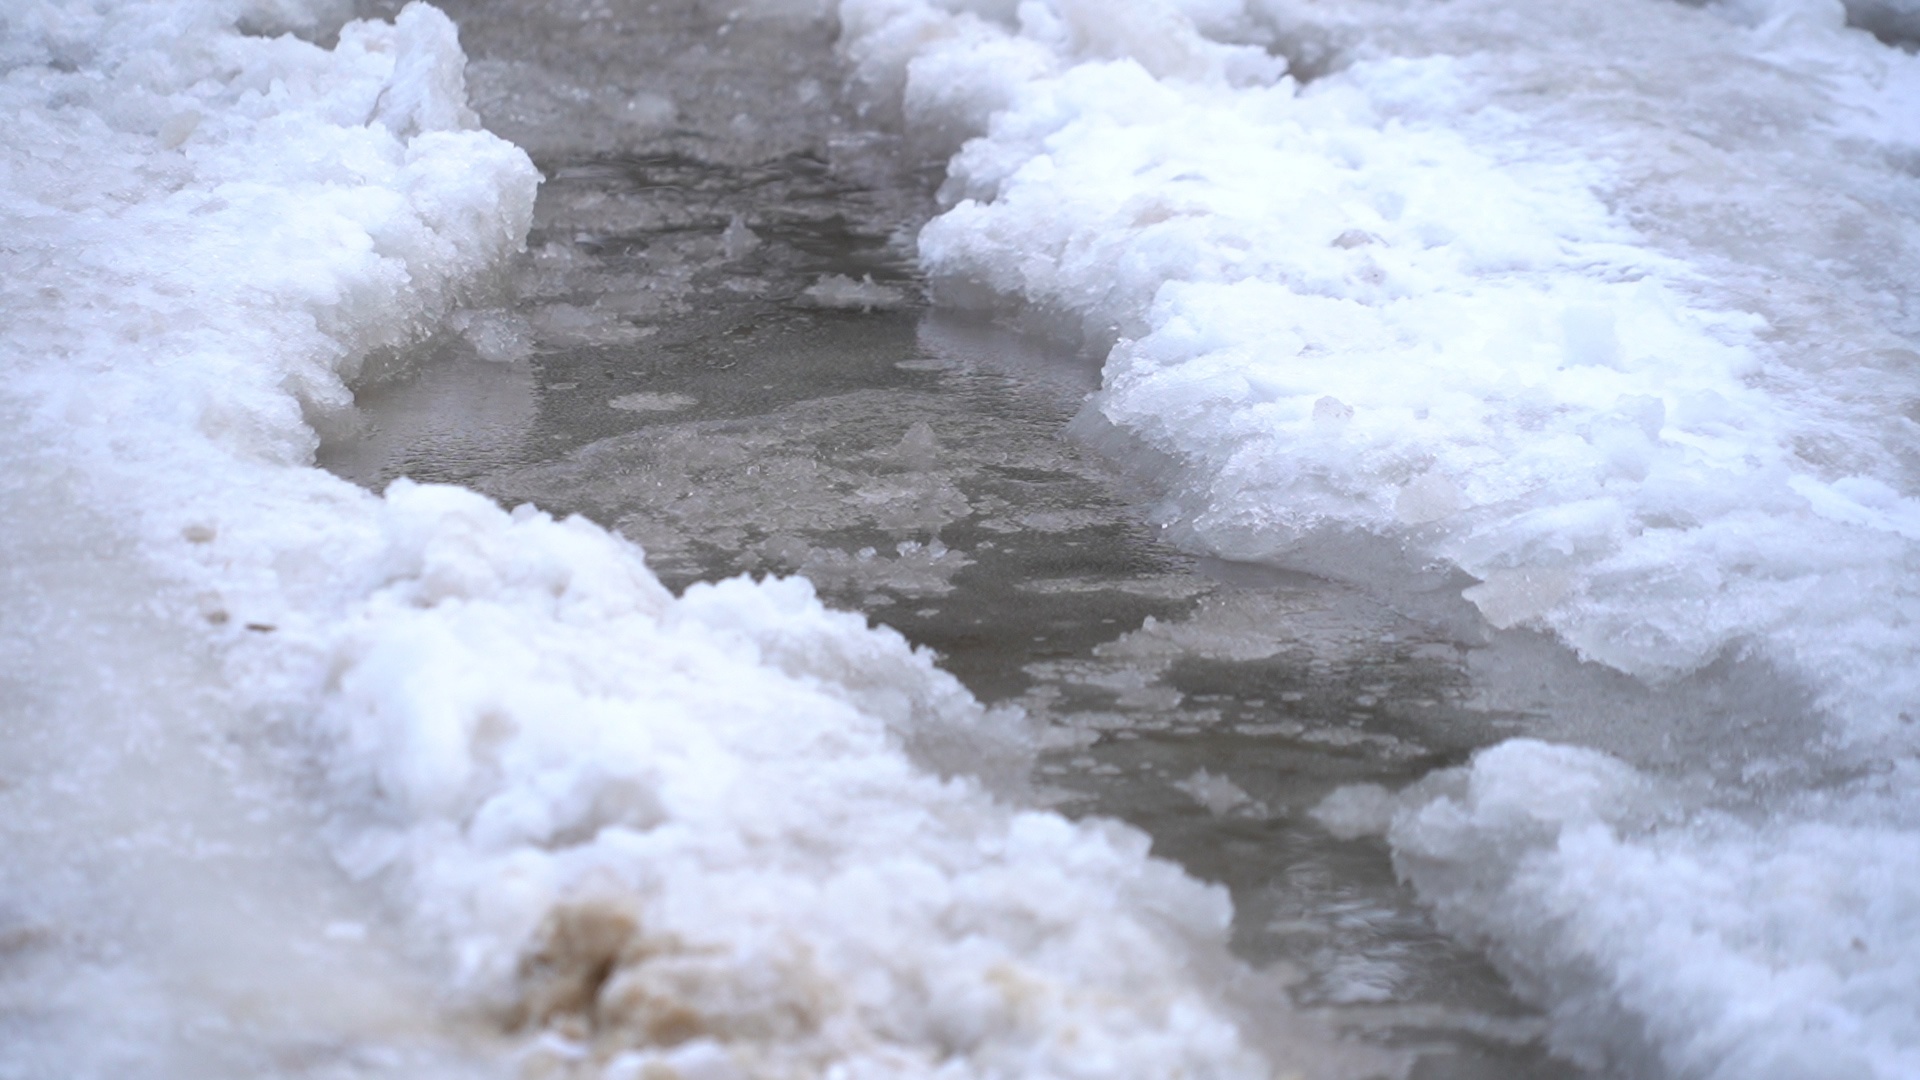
[(1609, 306), (1671, 938), (728, 834), (700, 814)]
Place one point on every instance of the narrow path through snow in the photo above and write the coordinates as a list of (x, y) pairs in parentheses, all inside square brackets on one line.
[(719, 347)]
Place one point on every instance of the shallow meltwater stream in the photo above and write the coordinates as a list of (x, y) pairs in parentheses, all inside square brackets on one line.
[(899, 539), (717, 345)]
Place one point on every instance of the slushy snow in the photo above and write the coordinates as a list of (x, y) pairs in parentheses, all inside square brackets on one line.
[(728, 834), (1608, 307), (1599, 314)]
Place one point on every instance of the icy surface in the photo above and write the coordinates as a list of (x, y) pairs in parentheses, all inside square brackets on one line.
[(1607, 305), (306, 780)]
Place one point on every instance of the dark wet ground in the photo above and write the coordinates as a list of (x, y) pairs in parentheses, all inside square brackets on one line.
[(717, 345)]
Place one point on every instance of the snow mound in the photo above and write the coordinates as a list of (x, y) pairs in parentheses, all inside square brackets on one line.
[(1644, 917)]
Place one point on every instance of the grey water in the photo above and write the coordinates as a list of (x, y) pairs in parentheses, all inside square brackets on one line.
[(717, 345)]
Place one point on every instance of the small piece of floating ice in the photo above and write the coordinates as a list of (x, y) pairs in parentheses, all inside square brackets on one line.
[(842, 292), (645, 402)]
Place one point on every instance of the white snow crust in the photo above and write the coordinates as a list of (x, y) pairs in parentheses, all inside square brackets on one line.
[(729, 834), (1608, 305)]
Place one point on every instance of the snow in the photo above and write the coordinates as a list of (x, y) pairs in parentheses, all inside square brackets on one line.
[(411, 784), (1608, 306)]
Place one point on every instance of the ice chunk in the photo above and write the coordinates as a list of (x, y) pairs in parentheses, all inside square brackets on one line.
[(1511, 597), (841, 291), (499, 336), (1356, 810), (737, 240), (427, 90), (1220, 795), (644, 402)]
